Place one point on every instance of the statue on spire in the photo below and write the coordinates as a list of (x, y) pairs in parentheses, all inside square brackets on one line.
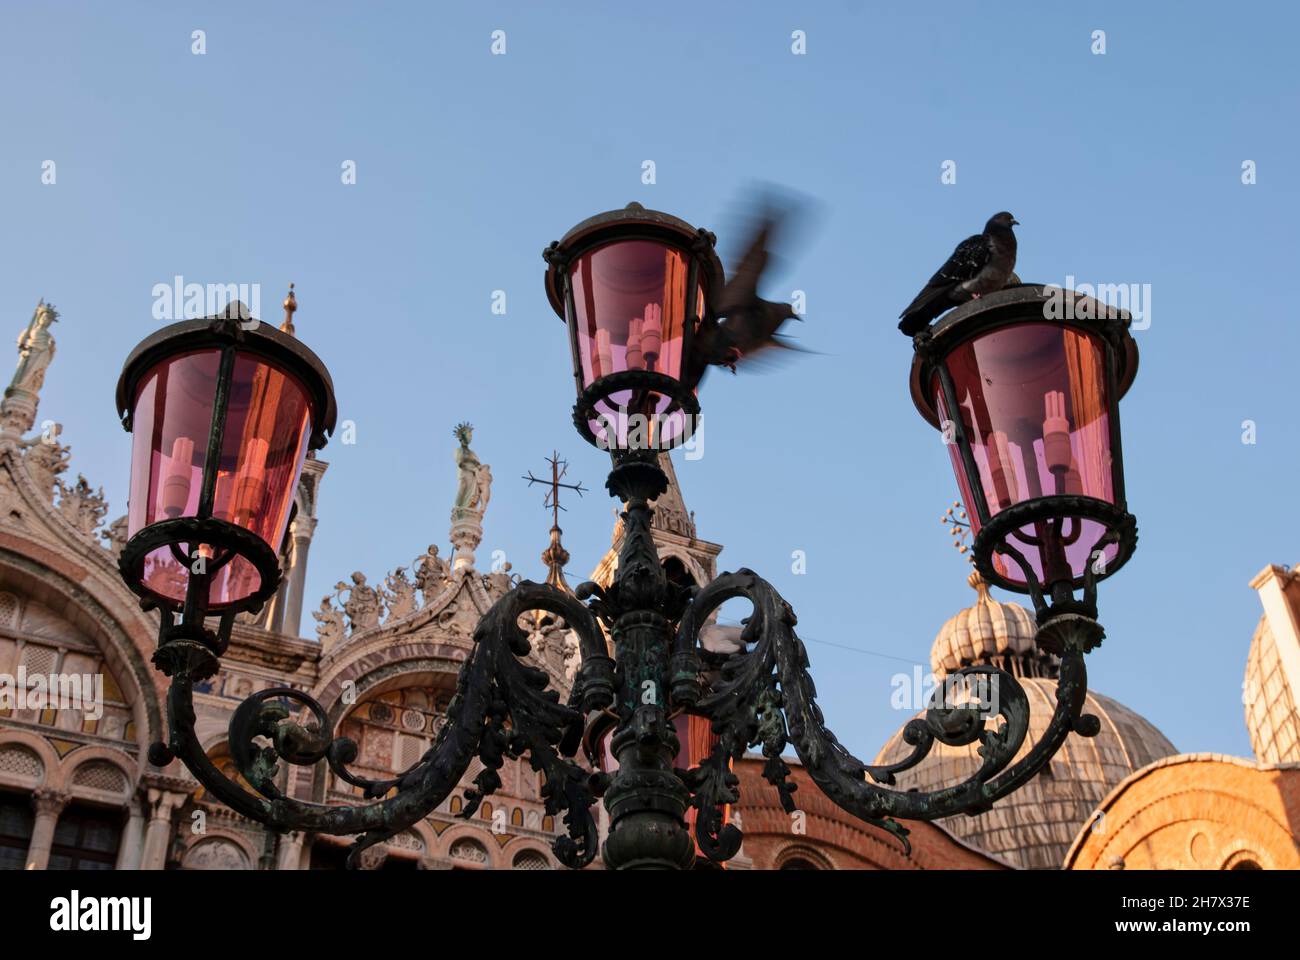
[(35, 351), (473, 490)]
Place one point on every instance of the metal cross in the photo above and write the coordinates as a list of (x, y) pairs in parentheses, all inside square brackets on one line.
[(552, 499)]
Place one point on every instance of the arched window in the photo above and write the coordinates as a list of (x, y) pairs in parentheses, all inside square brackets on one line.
[(517, 818), (530, 860), (469, 852), (677, 573), (16, 822), (455, 805)]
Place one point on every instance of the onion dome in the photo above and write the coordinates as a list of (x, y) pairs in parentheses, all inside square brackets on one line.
[(991, 632), (1034, 826), (1271, 715)]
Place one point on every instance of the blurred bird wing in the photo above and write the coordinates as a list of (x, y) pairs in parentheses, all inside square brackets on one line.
[(742, 286)]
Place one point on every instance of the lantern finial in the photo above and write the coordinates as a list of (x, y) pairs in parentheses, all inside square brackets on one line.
[(290, 308)]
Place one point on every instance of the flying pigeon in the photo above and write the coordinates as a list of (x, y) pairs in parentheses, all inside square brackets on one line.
[(749, 323), (980, 264)]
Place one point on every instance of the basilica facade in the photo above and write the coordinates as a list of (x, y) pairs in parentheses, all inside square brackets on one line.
[(77, 790)]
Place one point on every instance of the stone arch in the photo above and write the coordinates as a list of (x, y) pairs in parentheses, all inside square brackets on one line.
[(523, 846), (123, 636), (367, 673), (89, 775), (798, 853), (690, 563), (476, 836), (27, 761), (219, 850), (438, 675), (1197, 811)]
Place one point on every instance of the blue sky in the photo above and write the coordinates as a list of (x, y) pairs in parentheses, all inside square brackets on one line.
[(1122, 168)]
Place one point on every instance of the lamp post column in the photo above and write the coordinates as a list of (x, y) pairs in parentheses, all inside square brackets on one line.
[(646, 800)]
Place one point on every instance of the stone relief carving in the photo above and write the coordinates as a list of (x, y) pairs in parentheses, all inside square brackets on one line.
[(82, 507), (399, 595), (46, 459), (114, 536), (330, 626)]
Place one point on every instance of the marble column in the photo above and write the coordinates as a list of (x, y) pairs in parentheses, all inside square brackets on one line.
[(290, 851), (301, 532), (128, 854), (48, 804), (158, 835)]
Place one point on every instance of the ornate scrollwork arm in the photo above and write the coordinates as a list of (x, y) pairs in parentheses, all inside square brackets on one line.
[(766, 695), (502, 709)]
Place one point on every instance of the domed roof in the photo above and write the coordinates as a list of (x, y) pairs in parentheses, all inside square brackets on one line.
[(989, 632), (1271, 715), (1034, 826)]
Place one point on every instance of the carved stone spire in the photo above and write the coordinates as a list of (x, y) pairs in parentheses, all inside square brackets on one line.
[(290, 308), (670, 509)]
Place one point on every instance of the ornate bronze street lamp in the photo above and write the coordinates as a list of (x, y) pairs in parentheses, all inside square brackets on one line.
[(1036, 446)]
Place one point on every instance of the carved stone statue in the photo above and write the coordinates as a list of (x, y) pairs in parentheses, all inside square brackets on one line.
[(431, 574), (482, 487), (499, 582), (399, 594), (467, 462), (572, 657), (363, 605), (329, 623), (35, 350), (472, 492)]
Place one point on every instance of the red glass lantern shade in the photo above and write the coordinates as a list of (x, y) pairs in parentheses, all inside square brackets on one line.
[(1030, 407), (632, 285), (222, 418)]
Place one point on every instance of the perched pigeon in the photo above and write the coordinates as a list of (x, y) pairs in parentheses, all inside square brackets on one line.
[(749, 323), (980, 264)]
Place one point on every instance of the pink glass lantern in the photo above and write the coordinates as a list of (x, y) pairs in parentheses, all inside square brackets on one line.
[(632, 285), (1027, 398), (222, 413)]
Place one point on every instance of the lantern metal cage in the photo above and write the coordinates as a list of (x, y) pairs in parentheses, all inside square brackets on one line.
[(1025, 385), (223, 411), (633, 286)]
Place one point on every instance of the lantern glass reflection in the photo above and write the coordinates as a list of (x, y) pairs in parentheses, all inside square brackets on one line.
[(629, 312), (267, 426), (1034, 403)]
